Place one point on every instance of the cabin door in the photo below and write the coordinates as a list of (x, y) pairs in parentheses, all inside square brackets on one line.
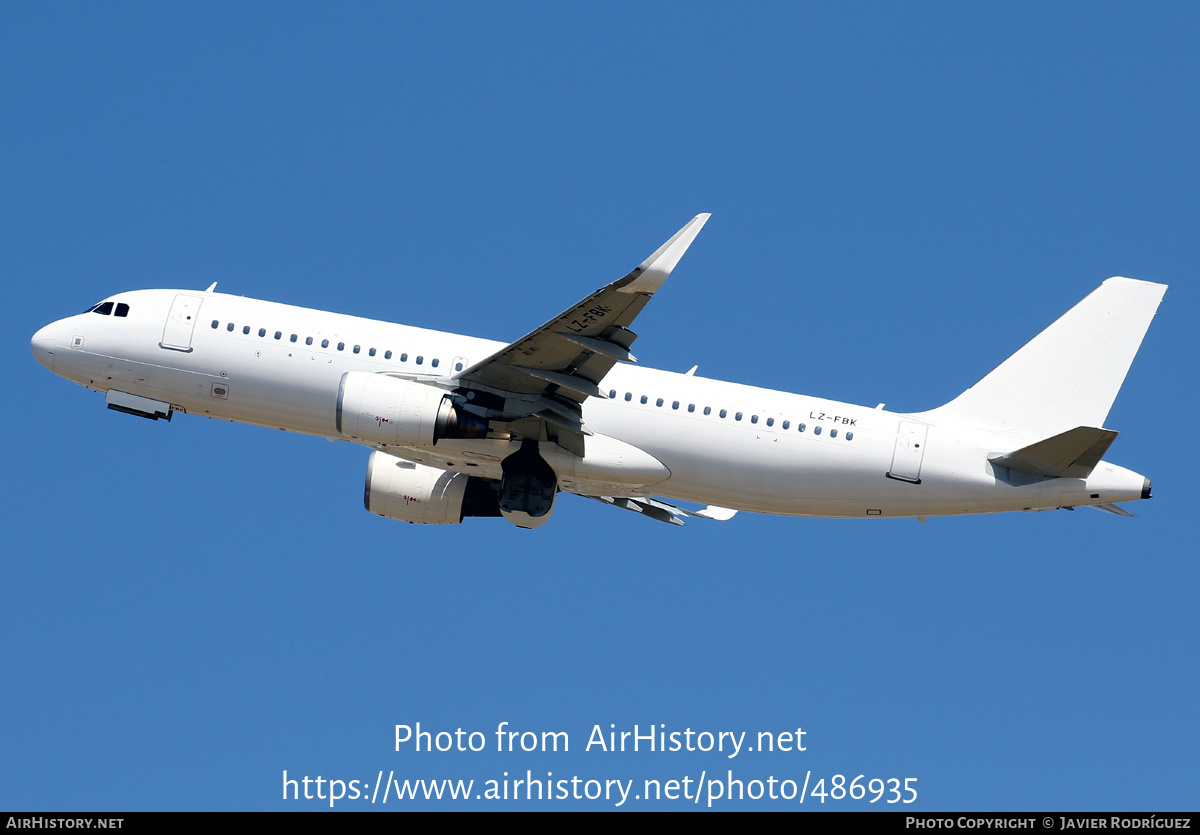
[(910, 449), (181, 321)]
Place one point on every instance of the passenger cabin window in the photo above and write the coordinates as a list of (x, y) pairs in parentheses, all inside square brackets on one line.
[(293, 338), (786, 424), (833, 433), (246, 329), (849, 436), (816, 430), (122, 309), (658, 402), (262, 331), (216, 324), (738, 416), (229, 327), (754, 418), (645, 399), (324, 343), (387, 355), (628, 396), (723, 413), (371, 352), (279, 334), (708, 410), (435, 362), (341, 346), (308, 340), (356, 349)]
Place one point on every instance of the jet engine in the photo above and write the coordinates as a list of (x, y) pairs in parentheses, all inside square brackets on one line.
[(381, 409), (400, 489)]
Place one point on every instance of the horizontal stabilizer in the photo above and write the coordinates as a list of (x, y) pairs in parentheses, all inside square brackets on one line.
[(720, 514), (1071, 454)]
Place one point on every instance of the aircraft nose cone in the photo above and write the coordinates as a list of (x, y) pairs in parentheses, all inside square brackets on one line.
[(43, 346)]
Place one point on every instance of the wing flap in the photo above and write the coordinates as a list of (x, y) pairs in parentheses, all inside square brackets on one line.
[(662, 511)]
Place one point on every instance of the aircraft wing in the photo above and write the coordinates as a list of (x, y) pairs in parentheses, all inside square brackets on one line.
[(561, 364)]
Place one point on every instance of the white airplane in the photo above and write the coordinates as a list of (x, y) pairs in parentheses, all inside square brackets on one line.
[(471, 427)]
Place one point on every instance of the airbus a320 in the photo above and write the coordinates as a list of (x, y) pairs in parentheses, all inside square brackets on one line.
[(466, 427)]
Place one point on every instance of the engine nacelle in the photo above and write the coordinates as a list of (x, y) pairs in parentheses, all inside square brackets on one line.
[(400, 489), (380, 409)]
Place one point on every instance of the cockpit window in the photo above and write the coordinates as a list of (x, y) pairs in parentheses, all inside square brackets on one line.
[(104, 308), (122, 309)]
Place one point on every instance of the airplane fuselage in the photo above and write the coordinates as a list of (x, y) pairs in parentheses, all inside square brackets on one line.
[(658, 433)]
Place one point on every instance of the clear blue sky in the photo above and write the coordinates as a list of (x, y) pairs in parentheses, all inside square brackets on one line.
[(902, 194)]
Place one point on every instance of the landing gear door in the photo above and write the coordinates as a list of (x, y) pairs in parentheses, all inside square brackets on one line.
[(910, 449), (181, 321)]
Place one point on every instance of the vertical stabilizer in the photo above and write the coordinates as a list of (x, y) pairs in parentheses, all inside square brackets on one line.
[(1069, 374)]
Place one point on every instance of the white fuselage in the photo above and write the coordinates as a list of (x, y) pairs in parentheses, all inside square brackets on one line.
[(721, 443)]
